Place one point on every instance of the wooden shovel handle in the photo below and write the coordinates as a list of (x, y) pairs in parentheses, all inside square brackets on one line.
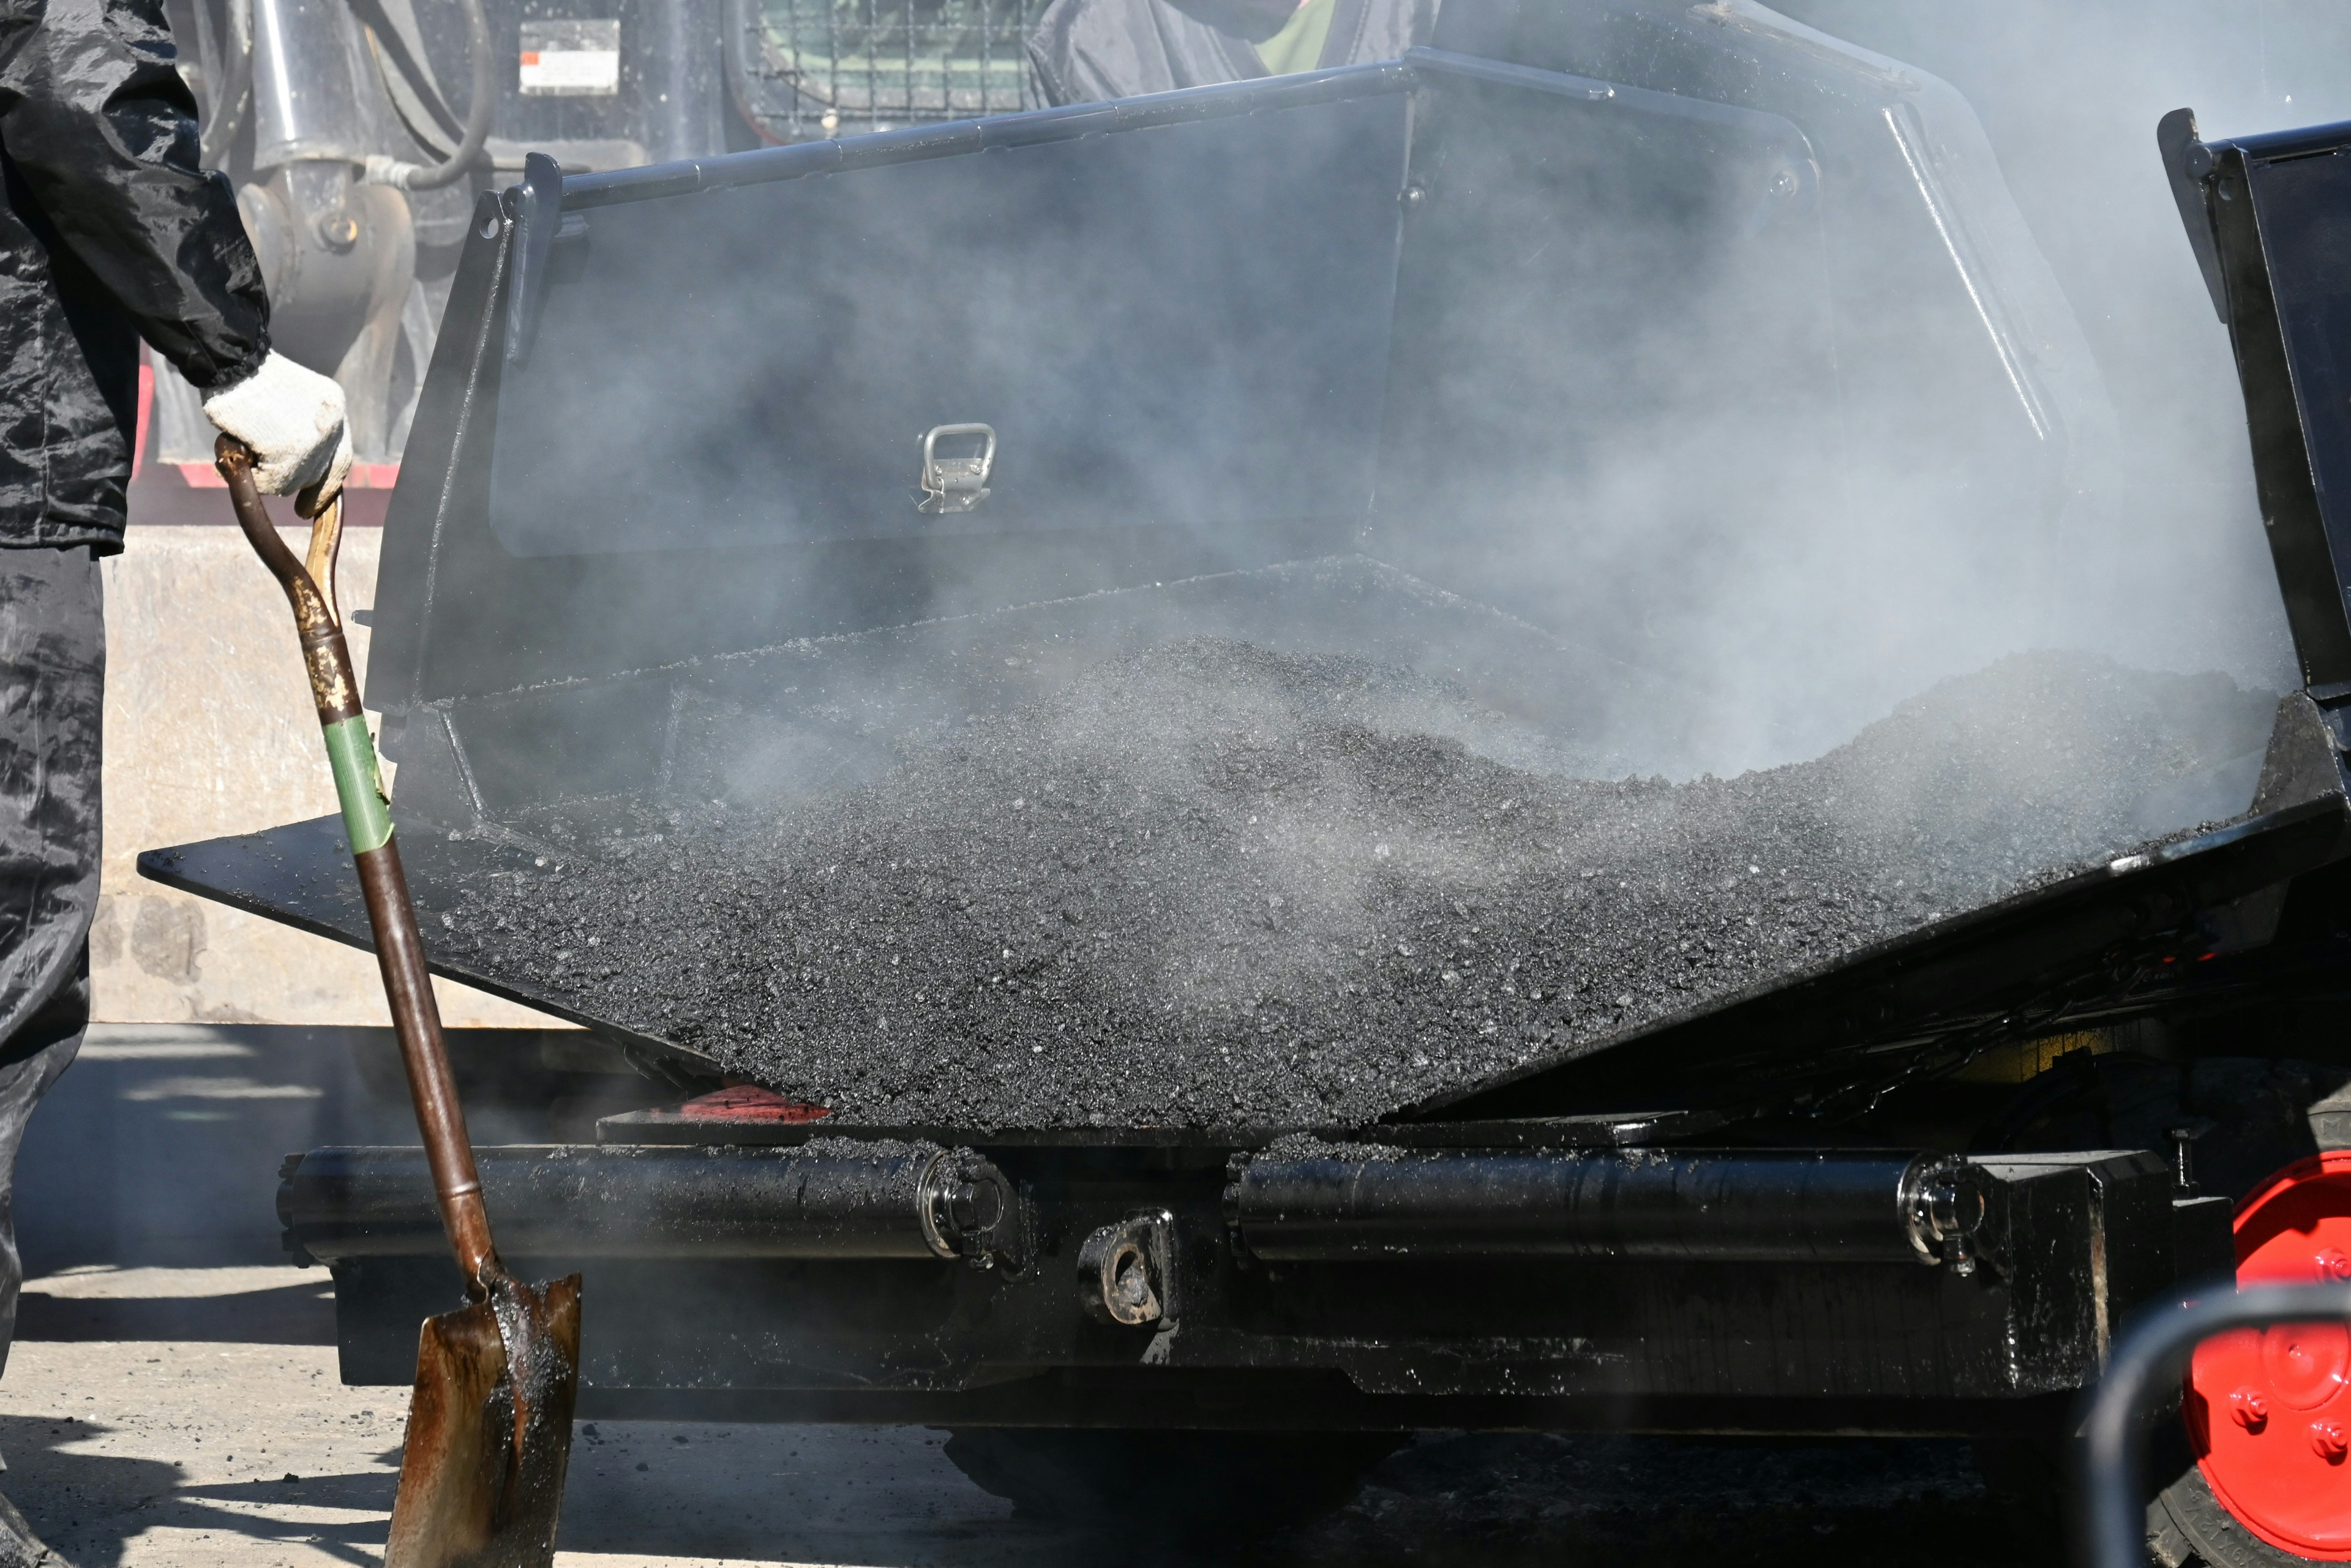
[(367, 821)]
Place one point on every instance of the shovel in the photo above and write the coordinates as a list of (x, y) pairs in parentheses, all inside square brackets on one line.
[(489, 1429)]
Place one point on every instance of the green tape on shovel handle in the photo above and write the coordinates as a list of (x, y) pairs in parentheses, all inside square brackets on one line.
[(367, 819)]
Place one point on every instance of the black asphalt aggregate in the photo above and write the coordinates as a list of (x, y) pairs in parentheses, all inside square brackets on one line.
[(1209, 883)]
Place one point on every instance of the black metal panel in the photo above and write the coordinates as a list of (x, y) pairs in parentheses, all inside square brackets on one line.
[(883, 1338), (301, 874), (2302, 203), (1973, 412), (2134, 938), (1184, 324), (460, 614), (424, 527), (2277, 210), (1615, 366), (1578, 250)]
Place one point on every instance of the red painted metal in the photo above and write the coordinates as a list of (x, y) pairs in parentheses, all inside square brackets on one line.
[(744, 1102), (2269, 1410), (146, 416)]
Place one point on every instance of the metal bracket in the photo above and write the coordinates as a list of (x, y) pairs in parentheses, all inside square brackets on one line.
[(1944, 1206), (2183, 1138), (2186, 162), (536, 208), (1126, 1271), (969, 1210), (955, 483)]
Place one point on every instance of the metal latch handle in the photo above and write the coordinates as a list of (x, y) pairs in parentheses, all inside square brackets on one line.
[(955, 483)]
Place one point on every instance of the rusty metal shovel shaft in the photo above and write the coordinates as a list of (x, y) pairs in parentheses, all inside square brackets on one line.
[(489, 1429)]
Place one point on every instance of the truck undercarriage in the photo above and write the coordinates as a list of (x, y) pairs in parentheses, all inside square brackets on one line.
[(1914, 1186)]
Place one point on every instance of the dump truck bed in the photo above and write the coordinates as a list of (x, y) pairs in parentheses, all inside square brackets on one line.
[(1313, 845), (1467, 569)]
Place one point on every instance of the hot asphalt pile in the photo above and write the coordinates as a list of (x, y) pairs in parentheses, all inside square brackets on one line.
[(1207, 883)]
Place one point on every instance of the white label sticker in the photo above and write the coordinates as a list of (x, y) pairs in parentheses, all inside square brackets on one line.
[(572, 70), (572, 59)]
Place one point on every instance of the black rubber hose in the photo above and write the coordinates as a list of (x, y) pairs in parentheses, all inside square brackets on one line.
[(2114, 1436), (479, 110)]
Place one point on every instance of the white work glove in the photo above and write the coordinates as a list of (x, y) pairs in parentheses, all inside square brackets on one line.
[(293, 419)]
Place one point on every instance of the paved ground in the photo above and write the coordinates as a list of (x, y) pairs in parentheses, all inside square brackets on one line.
[(239, 1446), (172, 1399)]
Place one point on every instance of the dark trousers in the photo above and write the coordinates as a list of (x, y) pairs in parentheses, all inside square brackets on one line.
[(52, 698)]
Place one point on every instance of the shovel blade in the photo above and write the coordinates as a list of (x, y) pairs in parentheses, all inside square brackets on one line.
[(489, 1432)]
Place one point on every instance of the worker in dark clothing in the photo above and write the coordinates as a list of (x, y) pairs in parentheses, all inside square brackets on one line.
[(109, 234), (1081, 51)]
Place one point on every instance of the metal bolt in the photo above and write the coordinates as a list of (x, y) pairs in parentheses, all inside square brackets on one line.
[(2183, 1157), (1130, 1284), (1121, 1271), (2332, 1265), (2327, 1438), (1415, 195), (2251, 1409)]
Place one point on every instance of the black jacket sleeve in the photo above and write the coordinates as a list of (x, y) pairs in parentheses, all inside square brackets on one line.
[(103, 133)]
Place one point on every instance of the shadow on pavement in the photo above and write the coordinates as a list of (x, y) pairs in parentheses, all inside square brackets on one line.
[(91, 1506), (301, 1313), (234, 1509), (1500, 1500), (85, 1505), (796, 1494)]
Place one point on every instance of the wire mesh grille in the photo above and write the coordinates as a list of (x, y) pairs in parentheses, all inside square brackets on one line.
[(872, 64)]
